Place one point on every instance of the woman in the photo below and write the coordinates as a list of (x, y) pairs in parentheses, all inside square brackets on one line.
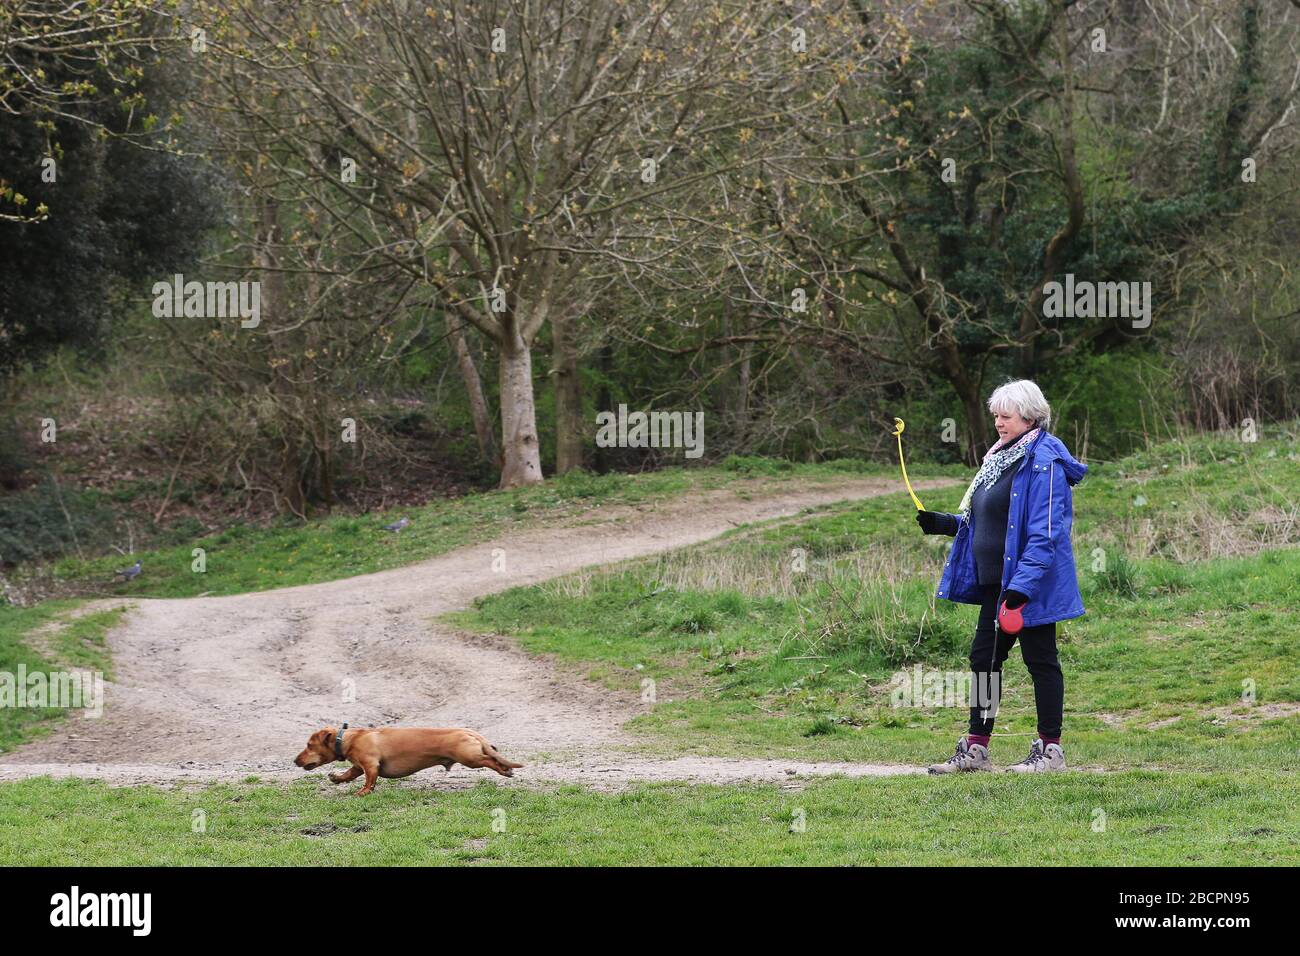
[(1012, 545)]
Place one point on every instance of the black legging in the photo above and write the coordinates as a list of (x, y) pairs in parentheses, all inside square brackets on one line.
[(1038, 647)]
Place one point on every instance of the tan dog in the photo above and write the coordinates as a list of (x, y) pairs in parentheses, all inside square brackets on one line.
[(399, 752)]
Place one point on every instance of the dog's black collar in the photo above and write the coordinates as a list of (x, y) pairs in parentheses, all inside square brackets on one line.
[(338, 743)]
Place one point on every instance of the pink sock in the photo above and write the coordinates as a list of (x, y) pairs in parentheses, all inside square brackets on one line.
[(977, 739), (1049, 740)]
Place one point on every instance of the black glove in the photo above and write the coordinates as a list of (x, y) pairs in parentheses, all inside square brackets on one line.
[(937, 522), (1014, 599), (930, 521)]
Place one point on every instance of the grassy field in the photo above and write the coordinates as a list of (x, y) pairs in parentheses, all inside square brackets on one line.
[(784, 640), (54, 635), (1136, 817), (1183, 681)]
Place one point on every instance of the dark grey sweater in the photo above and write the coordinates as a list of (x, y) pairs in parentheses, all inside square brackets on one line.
[(988, 517), (989, 508)]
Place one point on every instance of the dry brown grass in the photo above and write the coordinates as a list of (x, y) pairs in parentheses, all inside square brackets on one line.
[(763, 572), (1202, 530)]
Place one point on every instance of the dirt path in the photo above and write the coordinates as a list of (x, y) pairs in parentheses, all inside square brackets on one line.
[(220, 688)]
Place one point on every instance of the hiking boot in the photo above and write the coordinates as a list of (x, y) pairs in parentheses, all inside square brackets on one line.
[(1040, 759), (967, 757)]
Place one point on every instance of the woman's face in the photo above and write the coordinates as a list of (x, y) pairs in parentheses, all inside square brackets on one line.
[(1010, 424)]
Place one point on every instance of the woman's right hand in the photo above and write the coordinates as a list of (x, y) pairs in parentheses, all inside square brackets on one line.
[(932, 522)]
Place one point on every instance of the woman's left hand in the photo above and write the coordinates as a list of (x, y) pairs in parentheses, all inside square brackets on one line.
[(1014, 599)]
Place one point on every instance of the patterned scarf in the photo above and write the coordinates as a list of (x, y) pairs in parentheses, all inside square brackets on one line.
[(996, 461)]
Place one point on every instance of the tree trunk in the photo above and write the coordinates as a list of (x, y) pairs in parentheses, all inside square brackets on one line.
[(478, 406), (742, 392), (1072, 181), (604, 400), (977, 422), (292, 490), (740, 427), (568, 394), (325, 458), (521, 461)]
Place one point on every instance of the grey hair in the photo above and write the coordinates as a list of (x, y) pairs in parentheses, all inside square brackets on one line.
[(1025, 399)]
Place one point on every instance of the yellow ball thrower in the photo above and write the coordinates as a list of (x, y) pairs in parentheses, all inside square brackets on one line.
[(899, 425)]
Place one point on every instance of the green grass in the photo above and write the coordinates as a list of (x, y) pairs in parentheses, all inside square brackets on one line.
[(779, 640), (1138, 817), (47, 638), (244, 558), (1193, 499), (752, 655)]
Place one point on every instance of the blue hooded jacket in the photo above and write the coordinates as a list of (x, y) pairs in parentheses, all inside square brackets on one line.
[(1039, 559)]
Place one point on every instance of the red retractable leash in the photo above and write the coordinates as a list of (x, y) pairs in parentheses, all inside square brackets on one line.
[(1010, 619), (1007, 621)]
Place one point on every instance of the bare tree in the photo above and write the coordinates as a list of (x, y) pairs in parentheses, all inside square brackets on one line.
[(532, 139)]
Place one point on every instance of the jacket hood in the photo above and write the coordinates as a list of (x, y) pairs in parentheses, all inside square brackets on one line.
[(1048, 448)]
